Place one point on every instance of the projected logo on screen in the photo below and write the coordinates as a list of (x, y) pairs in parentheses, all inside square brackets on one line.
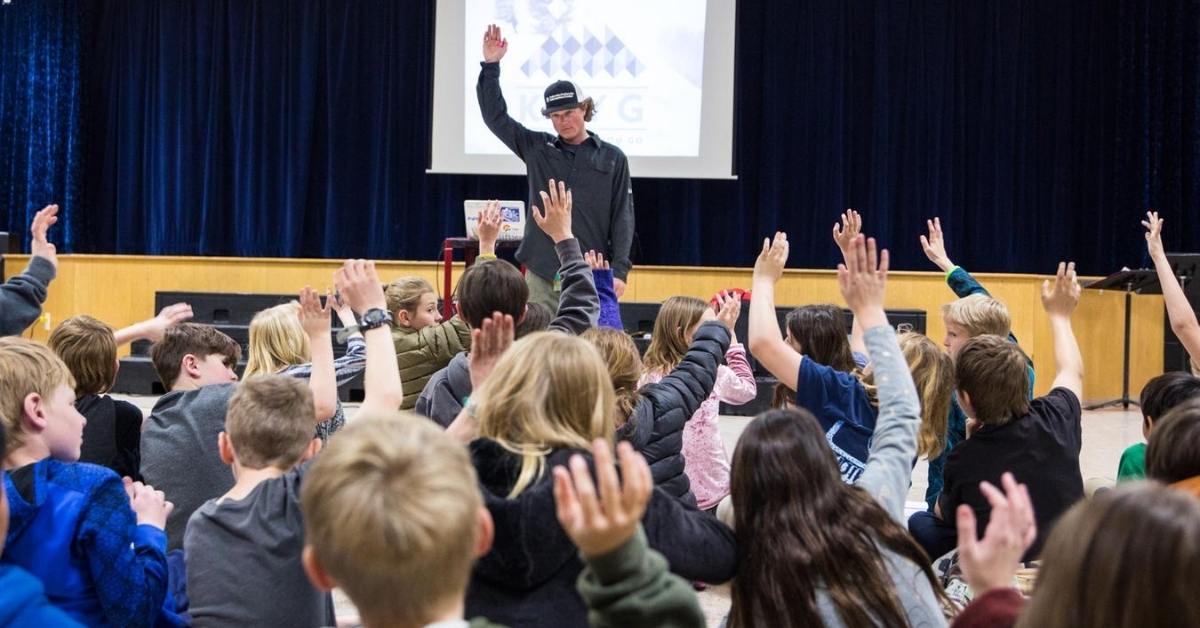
[(564, 52), (641, 62)]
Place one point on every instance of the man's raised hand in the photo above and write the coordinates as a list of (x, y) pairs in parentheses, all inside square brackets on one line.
[(934, 245), (772, 259), (556, 221), (40, 246), (494, 45)]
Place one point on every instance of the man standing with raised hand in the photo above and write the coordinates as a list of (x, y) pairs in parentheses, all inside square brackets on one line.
[(596, 172)]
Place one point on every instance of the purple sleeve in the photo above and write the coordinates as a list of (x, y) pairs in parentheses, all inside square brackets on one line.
[(610, 312)]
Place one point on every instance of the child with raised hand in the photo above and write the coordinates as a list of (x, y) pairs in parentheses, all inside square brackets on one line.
[(975, 313), (562, 401), (602, 275), (279, 344), (653, 417), (1037, 441), (706, 463), (113, 433), (425, 343), (403, 479), (21, 297), (497, 286), (1094, 564), (96, 543), (195, 363), (857, 566), (244, 549), (1179, 311)]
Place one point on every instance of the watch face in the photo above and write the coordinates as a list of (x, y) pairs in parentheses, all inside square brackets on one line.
[(376, 317)]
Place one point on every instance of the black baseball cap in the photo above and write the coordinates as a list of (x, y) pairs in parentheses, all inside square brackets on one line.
[(562, 95)]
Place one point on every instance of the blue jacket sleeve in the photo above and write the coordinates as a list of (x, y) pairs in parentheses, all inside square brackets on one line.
[(610, 311), (128, 562)]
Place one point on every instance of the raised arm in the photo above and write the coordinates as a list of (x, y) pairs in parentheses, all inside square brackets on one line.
[(624, 583), (1059, 300), (690, 383), (1179, 311), (863, 282), (766, 340), (578, 305), (491, 100), (359, 284), (602, 277), (22, 296), (152, 329), (844, 234), (488, 230), (315, 319)]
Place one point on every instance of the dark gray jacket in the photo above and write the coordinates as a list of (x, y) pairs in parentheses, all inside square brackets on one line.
[(656, 426), (597, 173), (578, 309), (22, 296)]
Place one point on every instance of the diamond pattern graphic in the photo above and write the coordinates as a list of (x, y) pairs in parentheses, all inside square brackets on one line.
[(567, 53)]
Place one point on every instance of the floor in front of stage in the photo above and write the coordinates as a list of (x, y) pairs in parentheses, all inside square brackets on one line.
[(1105, 435)]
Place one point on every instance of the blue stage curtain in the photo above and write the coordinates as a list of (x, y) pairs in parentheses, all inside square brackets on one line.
[(1037, 130), (40, 127)]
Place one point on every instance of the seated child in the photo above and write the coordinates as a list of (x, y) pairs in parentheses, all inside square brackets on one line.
[(425, 343), (96, 544), (179, 443), (497, 286), (844, 403), (1173, 455), (253, 534), (1159, 396), (395, 519), (706, 463), (113, 433), (975, 313), (278, 344), (244, 549), (652, 418), (1037, 441), (23, 602), (819, 332), (814, 551)]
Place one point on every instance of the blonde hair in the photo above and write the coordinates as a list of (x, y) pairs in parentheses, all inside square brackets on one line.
[(405, 294), (980, 314), (558, 394), (270, 421), (933, 373), (89, 349), (668, 344), (26, 367), (277, 340), (390, 513), (624, 364)]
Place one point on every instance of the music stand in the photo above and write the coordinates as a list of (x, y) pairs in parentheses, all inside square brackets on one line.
[(1129, 282)]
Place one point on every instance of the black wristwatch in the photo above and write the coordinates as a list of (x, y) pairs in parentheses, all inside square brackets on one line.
[(373, 318)]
